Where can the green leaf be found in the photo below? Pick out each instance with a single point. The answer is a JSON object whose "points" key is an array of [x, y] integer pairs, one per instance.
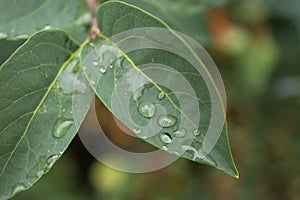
{"points": [[37, 96], [133, 90], [187, 16], [19, 19]]}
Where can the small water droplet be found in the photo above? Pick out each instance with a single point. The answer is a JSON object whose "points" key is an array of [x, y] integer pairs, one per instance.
{"points": [[3, 35], [47, 27], [95, 63], [180, 133], [164, 148], [147, 109], [175, 153], [136, 131], [51, 160], [63, 110], [111, 66], [137, 94], [62, 125], [196, 132], [102, 69], [18, 187], [161, 96], [166, 121], [12, 30], [165, 138]]}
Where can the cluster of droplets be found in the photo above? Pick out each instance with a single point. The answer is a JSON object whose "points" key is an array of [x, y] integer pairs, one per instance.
{"points": [[147, 110]]}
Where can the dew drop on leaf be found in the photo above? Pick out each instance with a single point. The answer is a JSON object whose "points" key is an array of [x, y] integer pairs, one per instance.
{"points": [[166, 121], [95, 63], [161, 96], [147, 109], [180, 133], [196, 132], [164, 148], [61, 127], [51, 160], [102, 69], [136, 131], [165, 138]]}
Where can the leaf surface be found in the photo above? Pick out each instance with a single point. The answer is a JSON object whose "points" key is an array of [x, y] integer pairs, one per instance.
{"points": [[19, 19], [38, 87], [149, 98]]}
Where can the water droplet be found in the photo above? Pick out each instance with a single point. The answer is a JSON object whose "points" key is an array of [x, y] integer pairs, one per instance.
{"points": [[164, 148], [51, 160], [176, 153], [137, 94], [63, 110], [62, 125], [196, 132], [95, 63], [165, 138], [161, 96], [194, 151], [136, 131], [3, 35], [102, 69], [92, 45], [47, 27], [18, 187], [147, 109], [111, 66], [12, 30], [180, 133], [166, 121]]}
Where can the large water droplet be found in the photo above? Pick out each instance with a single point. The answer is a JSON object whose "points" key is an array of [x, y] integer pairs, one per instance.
{"points": [[62, 125], [180, 133], [166, 121], [161, 96], [18, 187], [147, 109], [165, 138], [196, 132]]}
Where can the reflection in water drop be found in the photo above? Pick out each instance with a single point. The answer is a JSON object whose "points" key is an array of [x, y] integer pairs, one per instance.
{"points": [[164, 148], [166, 121], [147, 109], [61, 127], [165, 138], [180, 133]]}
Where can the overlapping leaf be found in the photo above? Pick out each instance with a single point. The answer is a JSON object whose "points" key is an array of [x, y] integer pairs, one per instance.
{"points": [[19, 19], [36, 108]]}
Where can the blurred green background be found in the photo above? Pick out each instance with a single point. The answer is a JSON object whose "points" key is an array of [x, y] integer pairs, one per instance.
{"points": [[256, 46]]}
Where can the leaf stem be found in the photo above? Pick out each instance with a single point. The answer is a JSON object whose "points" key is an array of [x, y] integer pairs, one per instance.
{"points": [[95, 30]]}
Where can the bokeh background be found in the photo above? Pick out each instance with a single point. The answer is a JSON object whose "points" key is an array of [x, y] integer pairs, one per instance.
{"points": [[256, 46]]}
